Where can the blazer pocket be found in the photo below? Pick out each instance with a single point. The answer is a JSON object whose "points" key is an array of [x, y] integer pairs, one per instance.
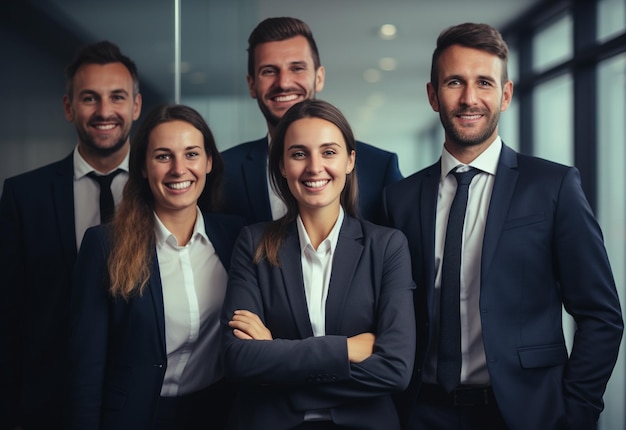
{"points": [[542, 356], [113, 398], [524, 221]]}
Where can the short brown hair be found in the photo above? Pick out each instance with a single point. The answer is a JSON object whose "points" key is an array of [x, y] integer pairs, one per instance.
{"points": [[470, 35]]}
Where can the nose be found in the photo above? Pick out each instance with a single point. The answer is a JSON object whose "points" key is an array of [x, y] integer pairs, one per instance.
{"points": [[468, 97], [315, 164], [177, 167], [284, 79], [105, 108]]}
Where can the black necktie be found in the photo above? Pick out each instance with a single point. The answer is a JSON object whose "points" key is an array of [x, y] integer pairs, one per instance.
{"points": [[107, 206], [449, 354]]}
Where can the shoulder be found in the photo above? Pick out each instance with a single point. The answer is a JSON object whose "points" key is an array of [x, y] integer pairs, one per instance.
{"points": [[365, 149], [415, 179], [64, 166], [244, 148], [375, 234]]}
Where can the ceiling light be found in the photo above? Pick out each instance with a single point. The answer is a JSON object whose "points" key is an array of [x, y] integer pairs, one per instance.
{"points": [[387, 31], [387, 64], [372, 76]]}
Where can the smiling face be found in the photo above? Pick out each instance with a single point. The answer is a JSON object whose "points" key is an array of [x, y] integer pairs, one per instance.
{"points": [[176, 168], [315, 164], [102, 108], [469, 98], [284, 74]]}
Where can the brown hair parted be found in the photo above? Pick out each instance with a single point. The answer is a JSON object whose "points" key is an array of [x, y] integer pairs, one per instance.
{"points": [[277, 29], [312, 108], [103, 52], [133, 237], [470, 35]]}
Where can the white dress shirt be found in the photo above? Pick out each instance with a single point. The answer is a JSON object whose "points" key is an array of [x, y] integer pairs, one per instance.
{"points": [[474, 364], [194, 285], [87, 194], [317, 266]]}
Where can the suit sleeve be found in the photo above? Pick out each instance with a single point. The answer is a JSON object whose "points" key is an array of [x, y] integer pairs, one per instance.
{"points": [[590, 296], [88, 332], [13, 293]]}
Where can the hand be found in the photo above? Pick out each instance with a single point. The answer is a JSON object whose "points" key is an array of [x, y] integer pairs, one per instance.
{"points": [[360, 347], [247, 325]]}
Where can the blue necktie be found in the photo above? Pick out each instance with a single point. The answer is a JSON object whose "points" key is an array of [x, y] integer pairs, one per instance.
{"points": [[107, 206], [449, 354]]}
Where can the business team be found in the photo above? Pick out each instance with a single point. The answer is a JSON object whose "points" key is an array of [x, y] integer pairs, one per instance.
{"points": [[498, 242]]}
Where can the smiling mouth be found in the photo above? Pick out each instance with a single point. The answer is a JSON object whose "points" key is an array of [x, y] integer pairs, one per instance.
{"points": [[285, 98], [316, 184], [179, 185], [104, 127]]}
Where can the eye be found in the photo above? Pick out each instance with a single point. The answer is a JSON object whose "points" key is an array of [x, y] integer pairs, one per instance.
{"points": [[193, 154], [329, 153], [88, 99], [267, 72], [118, 98], [298, 155], [163, 157]]}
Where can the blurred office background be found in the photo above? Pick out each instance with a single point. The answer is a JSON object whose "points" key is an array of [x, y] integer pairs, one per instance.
{"points": [[568, 63]]}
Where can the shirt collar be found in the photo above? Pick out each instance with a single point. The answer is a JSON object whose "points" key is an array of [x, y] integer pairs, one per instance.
{"points": [[485, 162], [82, 168], [331, 239], [163, 235]]}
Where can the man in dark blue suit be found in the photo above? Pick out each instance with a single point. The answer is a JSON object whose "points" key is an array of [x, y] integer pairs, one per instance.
{"points": [[43, 216], [529, 246], [283, 69]]}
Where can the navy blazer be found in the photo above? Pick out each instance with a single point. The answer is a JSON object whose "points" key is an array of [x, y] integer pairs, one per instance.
{"points": [[542, 249], [36, 259], [117, 352], [245, 180], [370, 291]]}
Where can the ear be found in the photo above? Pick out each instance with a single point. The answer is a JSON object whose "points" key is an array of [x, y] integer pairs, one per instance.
{"points": [[251, 88], [209, 164], [507, 95], [67, 108], [351, 161], [137, 107], [432, 96], [320, 76]]}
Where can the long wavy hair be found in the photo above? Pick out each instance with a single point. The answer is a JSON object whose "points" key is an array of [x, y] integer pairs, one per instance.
{"points": [[275, 231], [133, 238]]}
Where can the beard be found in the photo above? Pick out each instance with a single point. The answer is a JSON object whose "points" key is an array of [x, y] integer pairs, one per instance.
{"points": [[90, 142], [467, 137]]}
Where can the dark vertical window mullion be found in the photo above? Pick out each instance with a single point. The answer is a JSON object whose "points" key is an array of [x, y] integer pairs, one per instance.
{"points": [[585, 97]]}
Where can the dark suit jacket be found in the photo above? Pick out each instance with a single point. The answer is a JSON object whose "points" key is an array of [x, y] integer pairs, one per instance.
{"points": [[542, 248], [370, 291], [36, 259], [245, 180], [117, 353]]}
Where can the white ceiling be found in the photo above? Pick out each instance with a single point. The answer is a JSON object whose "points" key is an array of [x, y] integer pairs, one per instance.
{"points": [[214, 40]]}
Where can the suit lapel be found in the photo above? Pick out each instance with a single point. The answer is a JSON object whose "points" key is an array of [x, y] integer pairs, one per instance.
{"points": [[291, 270], [428, 214], [63, 200], [155, 290], [503, 187], [347, 255], [254, 173]]}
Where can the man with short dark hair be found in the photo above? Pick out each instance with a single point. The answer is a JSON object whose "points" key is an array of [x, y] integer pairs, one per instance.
{"points": [[500, 243], [43, 216], [283, 69]]}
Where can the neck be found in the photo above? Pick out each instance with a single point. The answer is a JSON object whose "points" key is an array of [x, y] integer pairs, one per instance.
{"points": [[318, 223], [179, 223]]}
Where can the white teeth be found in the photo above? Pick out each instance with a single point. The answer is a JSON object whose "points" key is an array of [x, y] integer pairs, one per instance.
{"points": [[316, 184], [179, 185], [286, 98], [470, 116], [105, 127]]}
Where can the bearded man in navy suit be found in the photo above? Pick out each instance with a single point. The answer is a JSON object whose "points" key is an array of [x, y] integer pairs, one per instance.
{"points": [[530, 245], [43, 216], [283, 69]]}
